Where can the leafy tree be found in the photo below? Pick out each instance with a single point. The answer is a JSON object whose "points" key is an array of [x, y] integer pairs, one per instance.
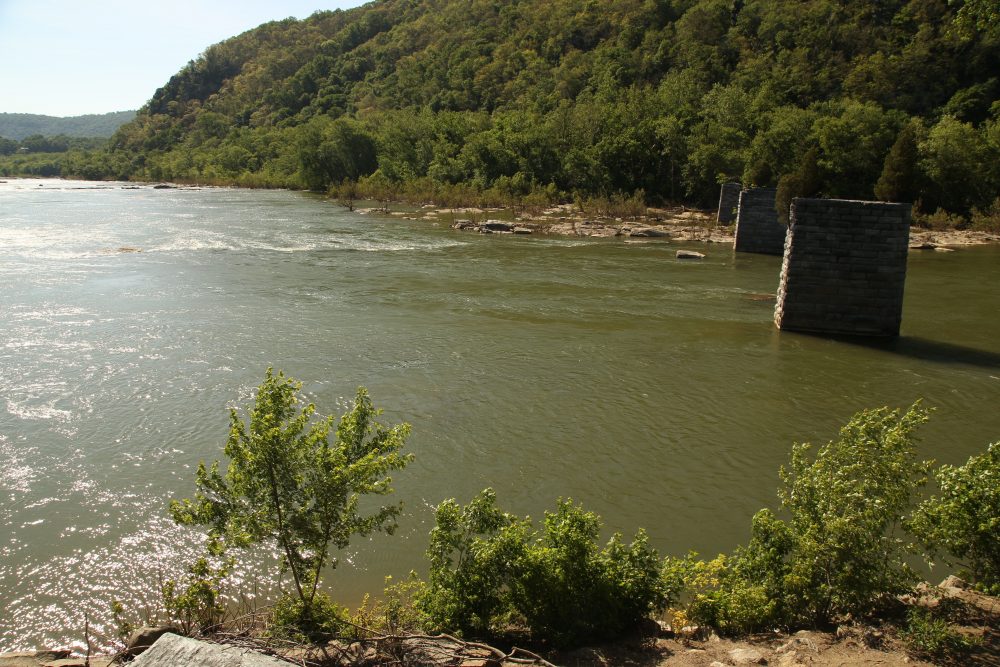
{"points": [[853, 143], [955, 159], [778, 146], [332, 151], [286, 482], [900, 179], [963, 519], [806, 181], [977, 16], [840, 551], [846, 506]]}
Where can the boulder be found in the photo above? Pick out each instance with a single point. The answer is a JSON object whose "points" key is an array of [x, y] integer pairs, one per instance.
{"points": [[747, 656], [144, 637], [497, 226], [523, 230], [647, 232], [690, 254], [31, 658], [172, 650]]}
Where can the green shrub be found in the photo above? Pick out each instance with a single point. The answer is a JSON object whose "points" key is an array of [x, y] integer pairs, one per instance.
{"points": [[569, 590], [846, 506], [491, 571], [987, 220], [744, 592], [195, 603], [963, 520], [397, 613], [929, 635], [838, 553], [940, 220], [314, 620]]}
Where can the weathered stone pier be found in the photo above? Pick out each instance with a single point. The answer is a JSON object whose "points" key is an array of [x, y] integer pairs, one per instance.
{"points": [[844, 267], [757, 226], [729, 201]]}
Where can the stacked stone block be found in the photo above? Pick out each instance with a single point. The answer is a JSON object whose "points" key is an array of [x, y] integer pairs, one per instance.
{"points": [[729, 200], [757, 226], [844, 267]]}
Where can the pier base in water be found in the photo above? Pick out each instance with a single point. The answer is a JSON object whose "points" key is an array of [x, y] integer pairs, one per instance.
{"points": [[844, 267]]}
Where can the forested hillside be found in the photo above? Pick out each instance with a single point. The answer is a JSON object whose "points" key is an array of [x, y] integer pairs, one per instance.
{"points": [[19, 126], [555, 98]]}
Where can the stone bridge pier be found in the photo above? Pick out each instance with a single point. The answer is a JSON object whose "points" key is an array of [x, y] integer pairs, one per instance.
{"points": [[844, 267], [757, 226], [729, 201]]}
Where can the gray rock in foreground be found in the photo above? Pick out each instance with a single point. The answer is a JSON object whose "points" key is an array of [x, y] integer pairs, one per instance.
{"points": [[144, 637], [172, 650]]}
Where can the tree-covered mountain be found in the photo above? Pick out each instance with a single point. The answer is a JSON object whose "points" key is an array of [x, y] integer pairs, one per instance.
{"points": [[564, 97], [17, 126]]}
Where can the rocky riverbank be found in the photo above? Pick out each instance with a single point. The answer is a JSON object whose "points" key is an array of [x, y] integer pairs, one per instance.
{"points": [[971, 614], [659, 224]]}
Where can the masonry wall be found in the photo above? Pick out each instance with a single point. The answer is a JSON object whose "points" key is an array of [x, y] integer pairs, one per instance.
{"points": [[844, 267], [729, 201], [757, 226]]}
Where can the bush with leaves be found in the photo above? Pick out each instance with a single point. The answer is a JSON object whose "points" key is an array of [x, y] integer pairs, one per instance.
{"points": [[839, 553], [963, 519], [491, 571], [396, 613], [286, 482], [196, 602], [846, 507], [928, 634]]}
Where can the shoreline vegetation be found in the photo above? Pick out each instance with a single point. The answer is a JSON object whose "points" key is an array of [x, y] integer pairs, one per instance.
{"points": [[539, 104], [599, 217], [825, 578]]}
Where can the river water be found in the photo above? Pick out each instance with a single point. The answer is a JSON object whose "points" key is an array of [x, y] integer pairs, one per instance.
{"points": [[657, 392]]}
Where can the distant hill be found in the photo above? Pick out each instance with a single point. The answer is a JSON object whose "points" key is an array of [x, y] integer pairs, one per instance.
{"points": [[657, 100], [17, 126]]}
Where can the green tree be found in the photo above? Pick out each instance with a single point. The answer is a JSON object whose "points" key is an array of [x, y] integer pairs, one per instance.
{"points": [[329, 152], [286, 482], [955, 159], [846, 506], [963, 519], [806, 181], [840, 552], [853, 143], [900, 179]]}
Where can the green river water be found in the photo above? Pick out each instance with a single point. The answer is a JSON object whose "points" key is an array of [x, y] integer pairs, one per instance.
{"points": [[657, 392]]}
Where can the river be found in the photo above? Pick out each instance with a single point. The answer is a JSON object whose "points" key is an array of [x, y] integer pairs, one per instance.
{"points": [[655, 391]]}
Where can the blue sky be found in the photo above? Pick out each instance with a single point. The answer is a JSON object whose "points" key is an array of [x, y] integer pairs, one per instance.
{"points": [[71, 57]]}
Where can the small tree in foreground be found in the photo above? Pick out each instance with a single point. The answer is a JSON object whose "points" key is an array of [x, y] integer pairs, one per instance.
{"points": [[286, 482], [963, 520], [847, 506], [840, 551]]}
